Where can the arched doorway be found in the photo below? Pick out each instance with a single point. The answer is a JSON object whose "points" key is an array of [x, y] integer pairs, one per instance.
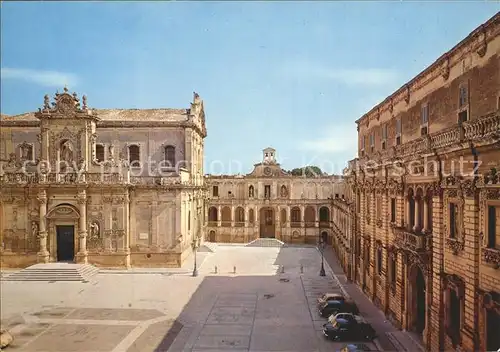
{"points": [[211, 236], [324, 237], [63, 227], [418, 308], [267, 222]]}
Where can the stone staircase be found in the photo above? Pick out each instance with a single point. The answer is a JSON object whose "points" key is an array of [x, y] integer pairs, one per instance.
{"points": [[208, 247], [265, 242], [54, 272]]}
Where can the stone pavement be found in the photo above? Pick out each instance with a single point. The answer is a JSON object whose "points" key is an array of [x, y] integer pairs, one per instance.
{"points": [[389, 337], [258, 308]]}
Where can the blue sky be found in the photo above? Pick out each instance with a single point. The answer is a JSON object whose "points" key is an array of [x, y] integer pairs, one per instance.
{"points": [[291, 75]]}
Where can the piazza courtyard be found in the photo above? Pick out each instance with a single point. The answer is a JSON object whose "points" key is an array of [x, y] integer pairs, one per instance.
{"points": [[260, 299]]}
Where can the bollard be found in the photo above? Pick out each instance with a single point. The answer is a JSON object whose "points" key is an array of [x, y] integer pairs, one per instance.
{"points": [[234, 269], [215, 271], [301, 269], [282, 269]]}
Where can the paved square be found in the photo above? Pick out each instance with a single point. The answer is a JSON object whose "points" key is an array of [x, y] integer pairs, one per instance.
{"points": [[256, 309]]}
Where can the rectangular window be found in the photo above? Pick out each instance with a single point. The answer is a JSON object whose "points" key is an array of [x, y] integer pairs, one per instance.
{"points": [[393, 210], [398, 131], [453, 220], [493, 233], [424, 114], [463, 116], [99, 152], [267, 191], [363, 141], [372, 142], [462, 96], [215, 191], [424, 123], [134, 155]]}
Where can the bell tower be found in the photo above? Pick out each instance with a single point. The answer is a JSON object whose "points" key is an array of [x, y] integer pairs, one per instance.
{"points": [[67, 132], [269, 156]]}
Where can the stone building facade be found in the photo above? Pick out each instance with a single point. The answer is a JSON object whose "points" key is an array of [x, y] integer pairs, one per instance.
{"points": [[271, 203], [426, 199], [114, 188]]}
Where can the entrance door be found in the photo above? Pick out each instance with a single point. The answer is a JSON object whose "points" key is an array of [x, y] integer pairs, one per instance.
{"points": [[65, 243], [267, 223], [212, 236], [420, 302]]}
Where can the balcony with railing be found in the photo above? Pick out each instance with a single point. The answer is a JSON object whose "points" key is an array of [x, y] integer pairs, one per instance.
{"points": [[491, 257], [415, 242]]}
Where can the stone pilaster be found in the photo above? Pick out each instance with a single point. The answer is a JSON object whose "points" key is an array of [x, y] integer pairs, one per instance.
{"points": [[81, 256], [436, 307], [471, 248], [43, 253]]}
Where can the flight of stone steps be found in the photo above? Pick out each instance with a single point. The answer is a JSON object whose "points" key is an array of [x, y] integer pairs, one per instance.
{"points": [[208, 247], [54, 272], [265, 242]]}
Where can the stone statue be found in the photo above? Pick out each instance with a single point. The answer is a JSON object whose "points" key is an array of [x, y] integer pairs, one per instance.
{"points": [[111, 150], [46, 102], [84, 102], [12, 160], [94, 230], [284, 192], [67, 151], [25, 151], [34, 229]]}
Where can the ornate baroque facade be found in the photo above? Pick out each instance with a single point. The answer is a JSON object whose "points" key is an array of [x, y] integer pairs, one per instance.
{"points": [[269, 202], [426, 200], [114, 188]]}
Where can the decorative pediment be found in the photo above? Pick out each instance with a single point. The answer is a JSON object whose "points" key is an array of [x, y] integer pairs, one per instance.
{"points": [[65, 211], [64, 105]]}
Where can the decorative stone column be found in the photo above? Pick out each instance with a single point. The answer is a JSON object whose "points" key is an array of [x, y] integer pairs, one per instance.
{"points": [[407, 212], [416, 217], [43, 254], [82, 205], [426, 214]]}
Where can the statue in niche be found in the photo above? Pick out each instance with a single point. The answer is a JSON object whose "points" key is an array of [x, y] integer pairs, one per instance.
{"points": [[12, 162], [25, 151], [67, 151], [94, 230], [34, 229], [111, 152], [284, 192]]}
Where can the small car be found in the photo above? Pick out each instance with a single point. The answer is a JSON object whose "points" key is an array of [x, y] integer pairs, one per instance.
{"points": [[334, 307], [345, 316], [330, 297], [356, 347], [342, 329]]}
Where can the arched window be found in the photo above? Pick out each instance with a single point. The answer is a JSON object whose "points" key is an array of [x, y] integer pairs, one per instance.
{"points": [[250, 192], [310, 216], [251, 216], [212, 214], [283, 216], [226, 217], [240, 214], [169, 157], [324, 214], [134, 156], [295, 217]]}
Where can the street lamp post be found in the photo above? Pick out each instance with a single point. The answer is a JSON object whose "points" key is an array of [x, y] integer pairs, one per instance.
{"points": [[195, 244], [322, 249]]}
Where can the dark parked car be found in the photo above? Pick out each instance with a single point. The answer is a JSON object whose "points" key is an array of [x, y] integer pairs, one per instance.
{"points": [[356, 347], [351, 330], [333, 307], [330, 297]]}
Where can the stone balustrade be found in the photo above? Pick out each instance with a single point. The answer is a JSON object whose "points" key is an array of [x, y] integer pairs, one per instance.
{"points": [[491, 256], [412, 241]]}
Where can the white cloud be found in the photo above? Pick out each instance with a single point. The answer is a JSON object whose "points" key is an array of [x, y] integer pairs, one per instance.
{"points": [[43, 78], [348, 76], [337, 139]]}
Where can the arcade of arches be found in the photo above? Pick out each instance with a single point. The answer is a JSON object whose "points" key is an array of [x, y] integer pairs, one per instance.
{"points": [[292, 224]]}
